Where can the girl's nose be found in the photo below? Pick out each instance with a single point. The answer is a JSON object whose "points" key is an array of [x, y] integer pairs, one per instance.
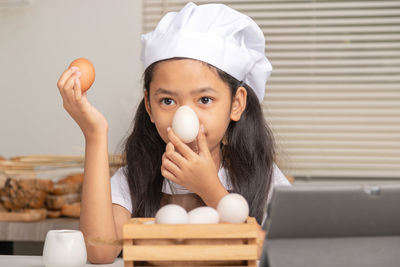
{"points": [[185, 124]]}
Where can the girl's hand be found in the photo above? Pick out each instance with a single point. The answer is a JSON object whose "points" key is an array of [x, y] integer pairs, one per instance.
{"points": [[89, 119], [196, 172]]}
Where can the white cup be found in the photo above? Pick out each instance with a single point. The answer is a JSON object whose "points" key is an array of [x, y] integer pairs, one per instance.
{"points": [[64, 248]]}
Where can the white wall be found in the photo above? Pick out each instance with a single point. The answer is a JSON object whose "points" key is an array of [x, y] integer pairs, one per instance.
{"points": [[38, 42]]}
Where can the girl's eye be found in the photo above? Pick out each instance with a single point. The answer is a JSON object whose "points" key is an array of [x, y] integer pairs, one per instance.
{"points": [[167, 101], [205, 100]]}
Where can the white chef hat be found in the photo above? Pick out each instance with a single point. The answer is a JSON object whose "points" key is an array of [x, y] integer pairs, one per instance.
{"points": [[215, 34]]}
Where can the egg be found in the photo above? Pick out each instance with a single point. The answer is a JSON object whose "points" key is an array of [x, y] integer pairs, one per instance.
{"points": [[233, 208], [203, 215], [185, 124], [171, 214], [87, 70]]}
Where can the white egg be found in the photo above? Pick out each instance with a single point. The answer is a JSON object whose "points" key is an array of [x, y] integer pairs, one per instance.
{"points": [[185, 124], [203, 215], [171, 214], [233, 208]]}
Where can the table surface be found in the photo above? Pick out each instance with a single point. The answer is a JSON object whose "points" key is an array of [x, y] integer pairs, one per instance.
{"points": [[37, 261]]}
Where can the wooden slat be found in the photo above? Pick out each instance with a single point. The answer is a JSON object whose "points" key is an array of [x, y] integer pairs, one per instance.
{"points": [[190, 252], [165, 231]]}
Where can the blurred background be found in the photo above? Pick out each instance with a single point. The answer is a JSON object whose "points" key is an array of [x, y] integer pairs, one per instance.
{"points": [[333, 99], [39, 39]]}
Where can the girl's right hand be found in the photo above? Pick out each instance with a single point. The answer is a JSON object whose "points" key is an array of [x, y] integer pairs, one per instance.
{"points": [[89, 119]]}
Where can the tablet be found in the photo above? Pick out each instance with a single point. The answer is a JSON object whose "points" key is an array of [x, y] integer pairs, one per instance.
{"points": [[334, 210], [333, 225]]}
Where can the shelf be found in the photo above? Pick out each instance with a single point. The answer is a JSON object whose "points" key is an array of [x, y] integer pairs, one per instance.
{"points": [[34, 231]]}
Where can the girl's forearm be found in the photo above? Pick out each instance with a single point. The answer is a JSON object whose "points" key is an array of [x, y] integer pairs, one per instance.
{"points": [[213, 196], [96, 220]]}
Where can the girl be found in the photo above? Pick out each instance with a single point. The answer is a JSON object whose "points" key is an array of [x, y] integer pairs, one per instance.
{"points": [[210, 58]]}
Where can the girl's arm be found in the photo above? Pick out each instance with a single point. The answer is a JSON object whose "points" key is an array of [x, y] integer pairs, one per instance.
{"points": [[97, 219], [100, 223]]}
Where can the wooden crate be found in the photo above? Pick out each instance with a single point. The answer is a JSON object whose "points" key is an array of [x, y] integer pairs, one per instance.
{"points": [[221, 244]]}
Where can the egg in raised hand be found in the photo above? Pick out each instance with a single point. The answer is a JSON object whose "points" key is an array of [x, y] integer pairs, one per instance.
{"points": [[87, 72], [185, 124]]}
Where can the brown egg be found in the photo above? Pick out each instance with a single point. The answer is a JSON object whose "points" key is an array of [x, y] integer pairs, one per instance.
{"points": [[87, 70]]}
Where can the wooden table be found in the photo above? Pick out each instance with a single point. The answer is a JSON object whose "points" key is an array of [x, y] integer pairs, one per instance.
{"points": [[37, 261]]}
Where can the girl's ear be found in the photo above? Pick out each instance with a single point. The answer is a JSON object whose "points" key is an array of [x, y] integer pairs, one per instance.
{"points": [[147, 104], [238, 103]]}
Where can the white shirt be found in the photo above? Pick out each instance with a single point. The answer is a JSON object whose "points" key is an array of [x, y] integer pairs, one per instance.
{"points": [[120, 193]]}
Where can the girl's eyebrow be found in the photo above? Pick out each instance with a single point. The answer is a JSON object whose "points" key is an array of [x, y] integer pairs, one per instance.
{"points": [[203, 90], [161, 91]]}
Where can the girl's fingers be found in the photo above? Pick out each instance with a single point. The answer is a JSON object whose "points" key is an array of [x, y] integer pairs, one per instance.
{"points": [[168, 175], [68, 91], [170, 147], [165, 172], [202, 142], [173, 156], [181, 147], [77, 89], [65, 76], [170, 166]]}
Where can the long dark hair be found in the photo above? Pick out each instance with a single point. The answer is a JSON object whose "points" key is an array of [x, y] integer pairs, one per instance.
{"points": [[248, 154]]}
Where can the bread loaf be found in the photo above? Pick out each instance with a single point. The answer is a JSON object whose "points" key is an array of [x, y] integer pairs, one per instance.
{"points": [[71, 210], [27, 215], [76, 178], [62, 189], [55, 202], [24, 194], [53, 213]]}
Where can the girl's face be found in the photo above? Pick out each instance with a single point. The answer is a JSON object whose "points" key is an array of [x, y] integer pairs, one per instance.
{"points": [[190, 82]]}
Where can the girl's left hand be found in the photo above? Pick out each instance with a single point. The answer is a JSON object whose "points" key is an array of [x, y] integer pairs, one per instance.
{"points": [[194, 171]]}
